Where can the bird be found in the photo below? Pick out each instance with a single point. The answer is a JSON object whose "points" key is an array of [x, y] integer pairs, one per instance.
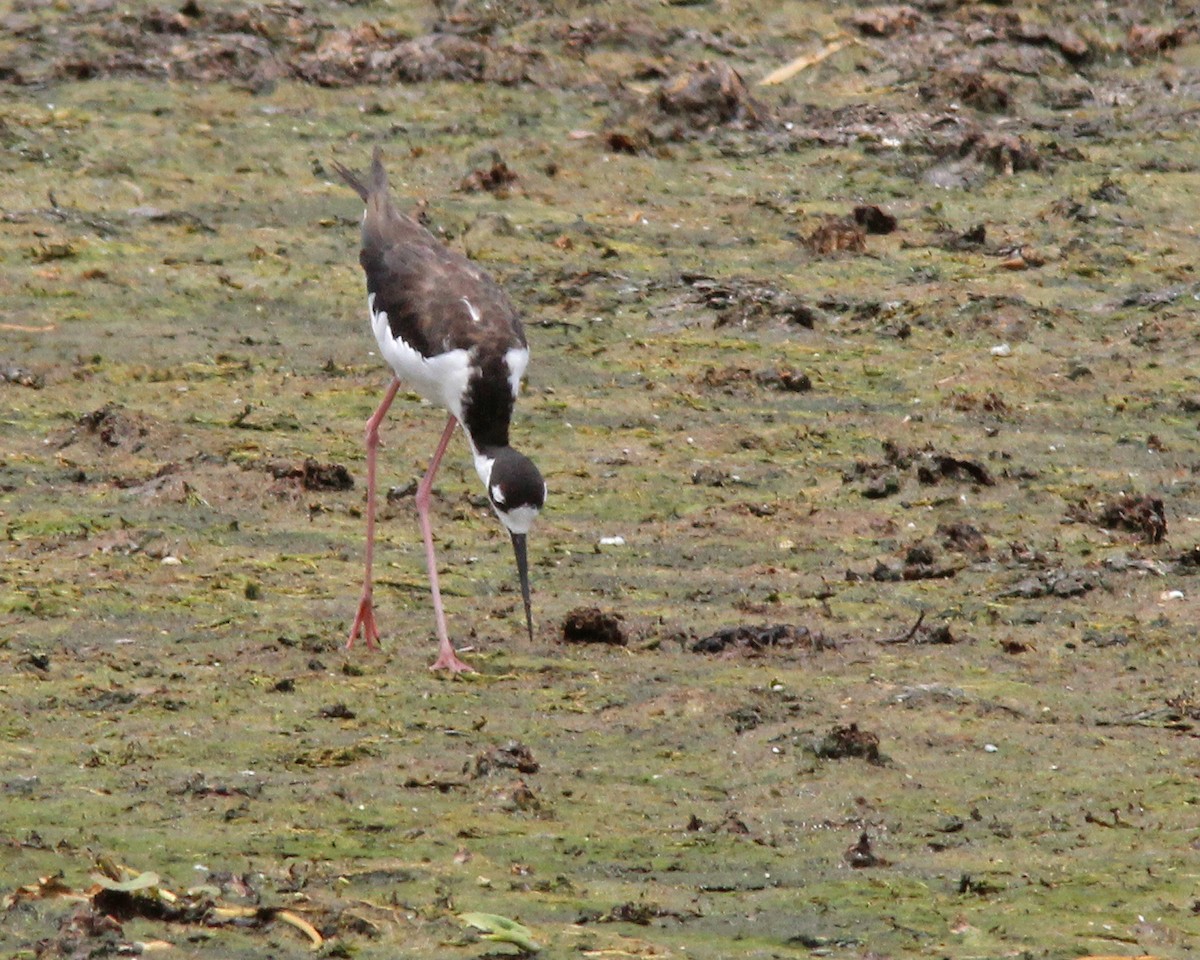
{"points": [[450, 333]]}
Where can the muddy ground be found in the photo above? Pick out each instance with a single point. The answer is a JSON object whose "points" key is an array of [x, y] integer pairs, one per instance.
{"points": [[866, 594]]}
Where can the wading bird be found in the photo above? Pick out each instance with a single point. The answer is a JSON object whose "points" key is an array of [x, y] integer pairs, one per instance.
{"points": [[451, 334]]}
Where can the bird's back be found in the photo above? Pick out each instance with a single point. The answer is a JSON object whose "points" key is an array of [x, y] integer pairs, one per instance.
{"points": [[442, 323], [435, 298]]}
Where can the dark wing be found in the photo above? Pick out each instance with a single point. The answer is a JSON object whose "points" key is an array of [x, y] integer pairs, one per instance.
{"points": [[437, 300]]}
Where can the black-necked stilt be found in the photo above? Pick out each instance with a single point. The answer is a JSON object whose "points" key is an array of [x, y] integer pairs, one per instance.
{"points": [[450, 333]]}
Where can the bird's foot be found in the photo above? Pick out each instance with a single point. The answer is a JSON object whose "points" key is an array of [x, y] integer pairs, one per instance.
{"points": [[448, 660], [364, 625]]}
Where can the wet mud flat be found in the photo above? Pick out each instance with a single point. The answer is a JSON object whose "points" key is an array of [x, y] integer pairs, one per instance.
{"points": [[867, 397]]}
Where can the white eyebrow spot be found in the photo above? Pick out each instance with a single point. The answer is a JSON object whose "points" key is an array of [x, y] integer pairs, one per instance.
{"points": [[475, 314]]}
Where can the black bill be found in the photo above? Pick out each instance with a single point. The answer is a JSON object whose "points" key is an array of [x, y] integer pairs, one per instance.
{"points": [[518, 542]]}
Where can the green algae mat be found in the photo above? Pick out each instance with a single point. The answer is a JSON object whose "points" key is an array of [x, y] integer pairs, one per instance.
{"points": [[866, 382]]}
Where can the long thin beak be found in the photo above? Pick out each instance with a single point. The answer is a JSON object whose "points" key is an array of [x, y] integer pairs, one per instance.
{"points": [[518, 541]]}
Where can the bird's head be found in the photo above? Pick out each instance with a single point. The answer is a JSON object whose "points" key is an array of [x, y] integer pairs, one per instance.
{"points": [[516, 491]]}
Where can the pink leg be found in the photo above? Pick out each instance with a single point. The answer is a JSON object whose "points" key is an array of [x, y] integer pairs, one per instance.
{"points": [[447, 659], [364, 620]]}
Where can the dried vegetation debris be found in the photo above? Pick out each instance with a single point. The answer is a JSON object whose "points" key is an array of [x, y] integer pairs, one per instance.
{"points": [[735, 377], [1144, 41], [12, 372], [848, 740], [1142, 514], [848, 234], [1059, 582], [985, 91], [593, 625], [922, 633], [512, 755], [254, 45], [919, 563], [748, 302], [639, 912], [886, 21], [710, 94], [951, 57], [874, 219], [257, 44], [837, 235], [771, 704], [963, 537], [1177, 712], [310, 474], [1189, 560], [862, 855], [120, 895], [756, 639], [112, 427], [882, 478], [963, 71], [488, 172], [346, 59], [706, 97]]}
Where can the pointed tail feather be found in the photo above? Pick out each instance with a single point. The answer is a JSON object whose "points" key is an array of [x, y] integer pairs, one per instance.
{"points": [[352, 179], [379, 181]]}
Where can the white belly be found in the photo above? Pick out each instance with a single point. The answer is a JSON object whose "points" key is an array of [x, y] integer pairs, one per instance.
{"points": [[441, 379]]}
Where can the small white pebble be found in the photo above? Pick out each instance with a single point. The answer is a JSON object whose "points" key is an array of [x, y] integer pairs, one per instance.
{"points": [[1002, 350], [612, 541], [1171, 595], [171, 561], [991, 748]]}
